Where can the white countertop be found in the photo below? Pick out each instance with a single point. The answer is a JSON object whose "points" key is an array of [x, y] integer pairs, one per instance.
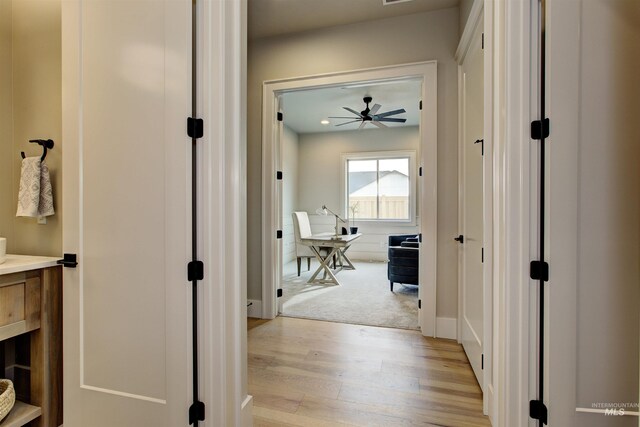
{"points": [[18, 263]]}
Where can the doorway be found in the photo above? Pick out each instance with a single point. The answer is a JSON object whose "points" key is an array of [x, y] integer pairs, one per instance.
{"points": [[353, 149], [272, 217]]}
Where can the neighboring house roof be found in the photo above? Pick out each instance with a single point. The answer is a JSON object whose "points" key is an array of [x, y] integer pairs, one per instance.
{"points": [[392, 183], [357, 180]]}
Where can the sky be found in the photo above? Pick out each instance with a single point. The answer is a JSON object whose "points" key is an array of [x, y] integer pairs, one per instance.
{"points": [[400, 165]]}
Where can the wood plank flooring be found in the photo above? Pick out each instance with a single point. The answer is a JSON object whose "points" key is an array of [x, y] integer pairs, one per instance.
{"points": [[312, 373]]}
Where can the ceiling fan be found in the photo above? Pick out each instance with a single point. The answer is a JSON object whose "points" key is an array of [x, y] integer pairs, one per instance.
{"points": [[368, 115]]}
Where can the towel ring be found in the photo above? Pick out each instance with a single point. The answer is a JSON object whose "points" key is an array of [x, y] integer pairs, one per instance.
{"points": [[45, 143]]}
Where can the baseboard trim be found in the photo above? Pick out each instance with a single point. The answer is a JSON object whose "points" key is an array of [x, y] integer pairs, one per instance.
{"points": [[246, 412], [255, 309], [447, 327]]}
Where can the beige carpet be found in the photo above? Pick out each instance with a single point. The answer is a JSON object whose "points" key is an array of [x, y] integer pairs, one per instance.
{"points": [[363, 297]]}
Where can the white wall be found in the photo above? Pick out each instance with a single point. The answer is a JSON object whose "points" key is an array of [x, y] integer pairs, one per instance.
{"points": [[289, 191], [406, 39], [320, 164]]}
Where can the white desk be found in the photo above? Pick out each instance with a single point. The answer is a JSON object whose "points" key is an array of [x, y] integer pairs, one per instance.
{"points": [[338, 247]]}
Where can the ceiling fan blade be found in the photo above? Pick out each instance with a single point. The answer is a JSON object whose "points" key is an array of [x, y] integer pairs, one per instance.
{"points": [[362, 124], [346, 123], [380, 125], [335, 117], [389, 119], [391, 113], [374, 109], [351, 110]]}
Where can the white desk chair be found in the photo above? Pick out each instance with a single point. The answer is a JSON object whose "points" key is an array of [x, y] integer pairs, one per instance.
{"points": [[302, 229]]}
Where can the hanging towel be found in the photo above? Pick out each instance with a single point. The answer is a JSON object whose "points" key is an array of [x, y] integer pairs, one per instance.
{"points": [[45, 207], [35, 197]]}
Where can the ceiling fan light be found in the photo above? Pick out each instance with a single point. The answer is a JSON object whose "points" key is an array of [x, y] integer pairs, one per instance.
{"points": [[324, 122]]}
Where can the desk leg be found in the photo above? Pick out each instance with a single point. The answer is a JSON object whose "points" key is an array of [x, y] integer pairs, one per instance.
{"points": [[344, 256], [324, 267]]}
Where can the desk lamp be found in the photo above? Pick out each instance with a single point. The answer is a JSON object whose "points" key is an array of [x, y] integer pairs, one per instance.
{"points": [[324, 211]]}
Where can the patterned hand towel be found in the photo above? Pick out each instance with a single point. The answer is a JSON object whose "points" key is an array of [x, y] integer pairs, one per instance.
{"points": [[45, 206], [35, 197]]}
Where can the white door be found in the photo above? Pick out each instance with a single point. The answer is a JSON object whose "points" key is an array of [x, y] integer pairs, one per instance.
{"points": [[471, 209], [127, 312]]}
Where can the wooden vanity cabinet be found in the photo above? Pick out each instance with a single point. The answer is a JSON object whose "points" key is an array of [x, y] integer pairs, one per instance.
{"points": [[31, 345]]}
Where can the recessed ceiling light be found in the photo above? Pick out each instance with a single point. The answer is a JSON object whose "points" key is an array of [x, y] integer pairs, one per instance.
{"points": [[324, 122]]}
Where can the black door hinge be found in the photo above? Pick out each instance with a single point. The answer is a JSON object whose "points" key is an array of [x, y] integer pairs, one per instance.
{"points": [[279, 293], [280, 116], [195, 271], [480, 141], [279, 175], [419, 303], [195, 128], [421, 104], [482, 256], [420, 237], [539, 270], [68, 260], [482, 361], [483, 41], [538, 410], [196, 412], [279, 234], [540, 129], [420, 171]]}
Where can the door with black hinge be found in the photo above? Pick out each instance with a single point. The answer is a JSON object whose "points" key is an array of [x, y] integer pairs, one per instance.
{"points": [[126, 157]]}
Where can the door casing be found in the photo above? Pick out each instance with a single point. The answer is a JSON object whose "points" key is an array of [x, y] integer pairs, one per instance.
{"points": [[271, 218]]}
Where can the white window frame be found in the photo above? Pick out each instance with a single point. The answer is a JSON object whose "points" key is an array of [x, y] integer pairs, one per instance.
{"points": [[381, 155]]}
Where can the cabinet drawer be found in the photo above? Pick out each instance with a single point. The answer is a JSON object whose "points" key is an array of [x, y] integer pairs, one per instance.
{"points": [[19, 303]]}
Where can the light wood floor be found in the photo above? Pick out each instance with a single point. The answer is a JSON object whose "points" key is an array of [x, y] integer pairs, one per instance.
{"points": [[312, 373]]}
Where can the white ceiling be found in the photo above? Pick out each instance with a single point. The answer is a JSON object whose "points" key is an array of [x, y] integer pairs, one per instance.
{"points": [[303, 110], [277, 17]]}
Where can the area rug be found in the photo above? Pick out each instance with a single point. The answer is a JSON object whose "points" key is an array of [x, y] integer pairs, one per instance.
{"points": [[363, 297]]}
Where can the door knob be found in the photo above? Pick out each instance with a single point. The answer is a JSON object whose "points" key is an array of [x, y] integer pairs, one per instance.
{"points": [[460, 238]]}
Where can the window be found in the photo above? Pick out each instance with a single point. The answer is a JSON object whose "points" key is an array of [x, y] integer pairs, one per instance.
{"points": [[379, 186]]}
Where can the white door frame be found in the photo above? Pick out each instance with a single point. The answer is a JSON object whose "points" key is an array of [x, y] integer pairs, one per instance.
{"points": [[476, 18], [509, 31], [427, 71], [509, 85], [222, 212], [222, 193]]}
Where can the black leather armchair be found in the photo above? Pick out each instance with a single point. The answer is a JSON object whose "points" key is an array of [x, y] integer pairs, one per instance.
{"points": [[403, 264]]}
